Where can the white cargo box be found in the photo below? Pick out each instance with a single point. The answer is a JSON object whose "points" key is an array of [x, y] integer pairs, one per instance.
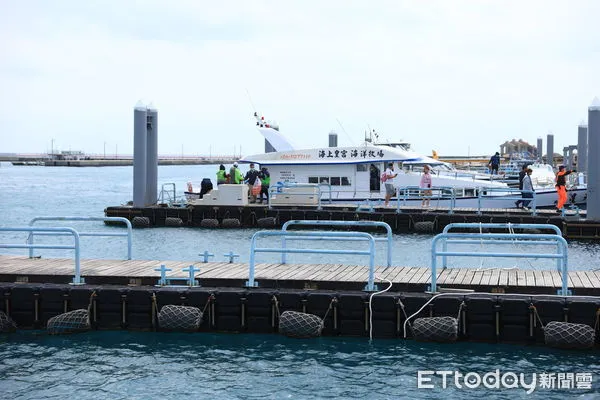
{"points": [[225, 195], [296, 196]]}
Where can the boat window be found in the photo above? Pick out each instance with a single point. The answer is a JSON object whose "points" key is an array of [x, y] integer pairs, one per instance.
{"points": [[324, 179], [361, 167], [335, 181], [345, 181], [313, 179]]}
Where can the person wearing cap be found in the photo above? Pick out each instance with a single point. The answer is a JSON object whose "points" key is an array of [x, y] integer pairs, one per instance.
{"points": [[561, 187], [390, 190], [494, 163], [250, 178], [235, 175]]}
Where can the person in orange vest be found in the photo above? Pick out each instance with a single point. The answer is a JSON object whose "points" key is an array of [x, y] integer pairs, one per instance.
{"points": [[561, 187]]}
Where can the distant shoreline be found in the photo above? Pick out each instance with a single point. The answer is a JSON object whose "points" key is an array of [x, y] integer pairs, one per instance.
{"points": [[118, 162]]}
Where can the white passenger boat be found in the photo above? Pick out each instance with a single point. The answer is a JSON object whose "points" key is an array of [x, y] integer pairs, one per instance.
{"points": [[352, 174]]}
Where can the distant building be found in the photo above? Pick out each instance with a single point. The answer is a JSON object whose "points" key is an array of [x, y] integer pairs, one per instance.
{"points": [[518, 149]]}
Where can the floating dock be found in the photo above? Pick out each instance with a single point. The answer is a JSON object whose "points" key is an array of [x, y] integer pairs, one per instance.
{"points": [[36, 290], [573, 224]]}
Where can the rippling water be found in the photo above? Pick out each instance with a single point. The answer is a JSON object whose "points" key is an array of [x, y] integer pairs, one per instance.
{"points": [[28, 192], [123, 365]]}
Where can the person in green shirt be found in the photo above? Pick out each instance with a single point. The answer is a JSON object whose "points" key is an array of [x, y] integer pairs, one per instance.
{"points": [[235, 174], [265, 180], [221, 175]]}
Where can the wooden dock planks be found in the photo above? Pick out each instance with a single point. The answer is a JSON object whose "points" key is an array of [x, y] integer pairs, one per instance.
{"points": [[330, 273]]}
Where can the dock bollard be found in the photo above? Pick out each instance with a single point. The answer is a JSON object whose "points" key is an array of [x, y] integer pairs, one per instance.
{"points": [[205, 256], [231, 255]]}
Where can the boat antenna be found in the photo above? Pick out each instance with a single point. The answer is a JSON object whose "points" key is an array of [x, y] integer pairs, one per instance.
{"points": [[342, 126], [250, 99]]}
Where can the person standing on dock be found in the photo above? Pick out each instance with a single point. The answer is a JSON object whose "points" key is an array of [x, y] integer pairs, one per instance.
{"points": [[561, 187], [425, 186], [265, 180], [522, 174], [390, 190], [494, 163], [221, 175], [250, 178], [527, 187], [235, 175]]}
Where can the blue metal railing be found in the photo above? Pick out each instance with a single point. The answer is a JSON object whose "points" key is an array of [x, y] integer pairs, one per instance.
{"points": [[388, 229], [109, 219], [509, 226], [562, 255], [438, 193], [486, 194], [316, 234], [50, 231], [279, 189]]}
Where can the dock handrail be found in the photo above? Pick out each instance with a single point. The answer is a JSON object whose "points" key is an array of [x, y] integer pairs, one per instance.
{"points": [[509, 226], [441, 190], [105, 219], [316, 234], [164, 191], [50, 231], [530, 239], [519, 197], [387, 227]]}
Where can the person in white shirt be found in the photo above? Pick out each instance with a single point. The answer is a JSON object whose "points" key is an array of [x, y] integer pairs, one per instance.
{"points": [[389, 183]]}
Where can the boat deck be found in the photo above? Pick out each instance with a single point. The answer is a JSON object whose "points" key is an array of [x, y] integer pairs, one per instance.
{"points": [[295, 276]]}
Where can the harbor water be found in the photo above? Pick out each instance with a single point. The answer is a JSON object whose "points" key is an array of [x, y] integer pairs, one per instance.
{"points": [[136, 365], [32, 191]]}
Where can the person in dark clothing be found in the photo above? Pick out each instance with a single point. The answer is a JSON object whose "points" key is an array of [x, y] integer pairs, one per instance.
{"points": [[522, 174], [250, 178], [494, 163]]}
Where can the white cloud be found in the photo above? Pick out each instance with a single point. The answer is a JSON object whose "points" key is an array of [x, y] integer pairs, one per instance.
{"points": [[449, 76]]}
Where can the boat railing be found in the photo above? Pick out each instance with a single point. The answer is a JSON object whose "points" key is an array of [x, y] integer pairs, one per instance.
{"points": [[315, 235], [125, 221], [438, 193], [279, 189], [387, 227], [77, 280], [506, 239], [505, 193]]}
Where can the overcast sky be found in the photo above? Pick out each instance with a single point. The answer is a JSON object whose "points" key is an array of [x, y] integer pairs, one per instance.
{"points": [[454, 76]]}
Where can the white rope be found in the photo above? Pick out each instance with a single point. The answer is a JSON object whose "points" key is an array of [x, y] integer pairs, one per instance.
{"points": [[371, 308], [511, 230]]}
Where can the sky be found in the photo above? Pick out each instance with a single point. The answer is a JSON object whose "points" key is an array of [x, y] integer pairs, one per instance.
{"points": [[459, 77]]}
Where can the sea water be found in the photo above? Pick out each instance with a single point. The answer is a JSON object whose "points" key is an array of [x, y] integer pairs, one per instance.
{"points": [[27, 192], [126, 365]]}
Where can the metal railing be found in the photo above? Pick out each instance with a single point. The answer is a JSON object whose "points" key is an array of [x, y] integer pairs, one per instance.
{"points": [[501, 238], [105, 219], [388, 229], [510, 227], [165, 193], [316, 235], [49, 231], [486, 194], [438, 193]]}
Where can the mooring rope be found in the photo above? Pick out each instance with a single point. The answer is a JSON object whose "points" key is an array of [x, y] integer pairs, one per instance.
{"points": [[371, 303], [536, 315]]}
